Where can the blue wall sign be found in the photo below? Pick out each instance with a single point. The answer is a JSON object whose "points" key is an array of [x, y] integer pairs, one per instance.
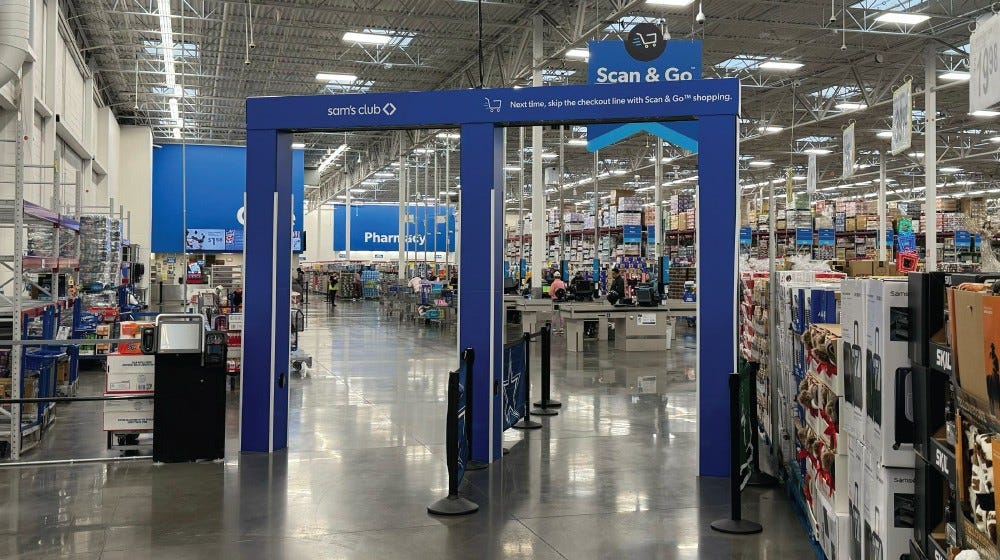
{"points": [[216, 182], [963, 239], [826, 237], [632, 234], [803, 236], [746, 236], [610, 63], [375, 227]]}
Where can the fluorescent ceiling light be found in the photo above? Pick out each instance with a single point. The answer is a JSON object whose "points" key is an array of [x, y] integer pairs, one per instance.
{"points": [[618, 171], [576, 142], [578, 53], [818, 151], [916, 154], [511, 168], [367, 38], [332, 157], [770, 129], [761, 163], [449, 135], [652, 159], [780, 65], [950, 169], [985, 113], [385, 175], [966, 182], [851, 106], [884, 134], [902, 18], [956, 76], [449, 193], [995, 139], [336, 78], [423, 151], [359, 191], [550, 155], [298, 146], [674, 3], [177, 133]]}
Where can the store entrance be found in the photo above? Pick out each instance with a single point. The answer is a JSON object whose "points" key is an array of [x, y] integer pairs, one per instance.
{"points": [[480, 116]]}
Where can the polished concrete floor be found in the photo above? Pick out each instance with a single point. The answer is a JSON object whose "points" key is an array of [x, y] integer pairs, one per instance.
{"points": [[613, 476]]}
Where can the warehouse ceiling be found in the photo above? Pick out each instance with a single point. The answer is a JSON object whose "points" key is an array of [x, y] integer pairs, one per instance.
{"points": [[851, 60]]}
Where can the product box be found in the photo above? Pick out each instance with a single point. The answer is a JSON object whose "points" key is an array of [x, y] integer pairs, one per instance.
{"points": [[853, 325], [130, 329], [860, 267], [856, 499], [991, 352], [834, 530], [889, 420], [965, 308], [850, 224], [128, 415], [127, 373], [890, 511]]}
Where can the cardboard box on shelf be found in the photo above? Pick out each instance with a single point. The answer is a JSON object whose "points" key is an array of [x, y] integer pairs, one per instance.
{"points": [[130, 329], [853, 325], [855, 498], [128, 415], [965, 308], [890, 508], [860, 267], [991, 353], [889, 412]]}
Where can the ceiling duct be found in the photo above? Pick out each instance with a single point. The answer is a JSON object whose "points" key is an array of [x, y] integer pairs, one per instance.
{"points": [[15, 23]]}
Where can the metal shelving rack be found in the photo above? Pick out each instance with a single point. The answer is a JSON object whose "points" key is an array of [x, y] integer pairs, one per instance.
{"points": [[19, 214]]}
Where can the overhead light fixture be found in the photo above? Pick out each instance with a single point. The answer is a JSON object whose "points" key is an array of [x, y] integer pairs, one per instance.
{"points": [[965, 182], [298, 146], [985, 113], [916, 154], [851, 106], [950, 169], [761, 163], [336, 78], [780, 65], [550, 155], [576, 142], [367, 38], [618, 171], [512, 168], [449, 135], [448, 193], [902, 18], [177, 133], [385, 175], [818, 151], [578, 53], [770, 129], [884, 134], [995, 139], [674, 3], [359, 191], [333, 157], [956, 76]]}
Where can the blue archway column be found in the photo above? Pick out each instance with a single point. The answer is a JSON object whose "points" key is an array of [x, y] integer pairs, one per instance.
{"points": [[480, 302], [717, 238], [267, 282]]}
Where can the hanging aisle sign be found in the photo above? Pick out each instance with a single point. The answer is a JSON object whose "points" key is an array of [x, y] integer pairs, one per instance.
{"points": [[644, 57], [849, 151], [746, 236], [902, 118], [826, 237], [963, 239], [984, 64], [811, 175], [803, 236]]}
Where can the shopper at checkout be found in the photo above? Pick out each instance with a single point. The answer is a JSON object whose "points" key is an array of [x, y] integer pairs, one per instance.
{"points": [[557, 289], [617, 291]]}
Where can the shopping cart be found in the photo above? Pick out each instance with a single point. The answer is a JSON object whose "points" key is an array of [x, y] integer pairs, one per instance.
{"points": [[297, 355]]}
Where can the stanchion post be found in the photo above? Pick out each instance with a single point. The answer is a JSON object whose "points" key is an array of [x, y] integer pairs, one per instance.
{"points": [[526, 422], [735, 525], [469, 357], [546, 404], [453, 504]]}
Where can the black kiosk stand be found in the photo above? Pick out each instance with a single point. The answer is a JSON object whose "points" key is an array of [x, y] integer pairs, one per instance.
{"points": [[189, 406]]}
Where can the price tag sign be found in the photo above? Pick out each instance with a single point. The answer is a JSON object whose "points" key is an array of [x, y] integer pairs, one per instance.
{"points": [[984, 44]]}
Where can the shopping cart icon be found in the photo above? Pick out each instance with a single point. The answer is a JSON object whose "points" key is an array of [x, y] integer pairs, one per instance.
{"points": [[494, 105], [646, 41]]}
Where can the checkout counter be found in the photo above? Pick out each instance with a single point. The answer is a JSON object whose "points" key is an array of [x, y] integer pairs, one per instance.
{"points": [[637, 328]]}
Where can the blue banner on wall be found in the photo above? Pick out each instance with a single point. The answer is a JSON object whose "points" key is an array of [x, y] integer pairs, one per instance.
{"points": [[610, 63], [514, 369], [375, 227], [216, 183]]}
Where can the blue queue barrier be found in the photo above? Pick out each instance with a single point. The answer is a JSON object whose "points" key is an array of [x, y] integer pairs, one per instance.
{"points": [[458, 440]]}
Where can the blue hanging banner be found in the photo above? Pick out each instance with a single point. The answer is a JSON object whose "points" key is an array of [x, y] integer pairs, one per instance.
{"points": [[963, 239], [746, 236], [827, 237], [611, 63], [513, 380], [803, 236]]}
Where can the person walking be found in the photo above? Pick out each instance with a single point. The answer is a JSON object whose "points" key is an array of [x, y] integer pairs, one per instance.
{"points": [[331, 290]]}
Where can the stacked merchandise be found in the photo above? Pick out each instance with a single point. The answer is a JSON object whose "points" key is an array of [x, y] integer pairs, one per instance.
{"points": [[679, 276], [129, 372], [630, 218], [755, 344], [234, 343], [95, 252], [682, 212], [575, 221], [879, 421], [369, 283], [609, 217]]}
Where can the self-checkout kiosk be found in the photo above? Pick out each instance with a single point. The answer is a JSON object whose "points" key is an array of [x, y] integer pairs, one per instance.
{"points": [[189, 406]]}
